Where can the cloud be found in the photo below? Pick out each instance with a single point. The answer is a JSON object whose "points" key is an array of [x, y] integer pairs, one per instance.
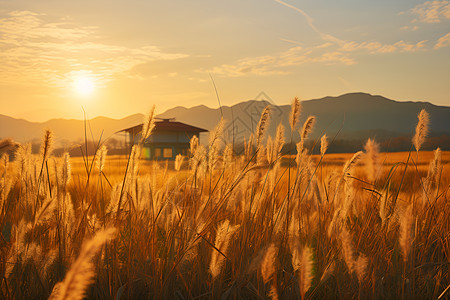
{"points": [[443, 41], [376, 47], [413, 28], [279, 63], [309, 20], [326, 53], [36, 51], [432, 11]]}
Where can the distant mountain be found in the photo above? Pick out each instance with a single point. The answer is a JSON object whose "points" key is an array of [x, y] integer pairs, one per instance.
{"points": [[65, 131], [354, 116]]}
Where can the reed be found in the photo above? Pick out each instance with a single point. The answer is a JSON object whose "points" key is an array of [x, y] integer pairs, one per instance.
{"points": [[222, 226]]}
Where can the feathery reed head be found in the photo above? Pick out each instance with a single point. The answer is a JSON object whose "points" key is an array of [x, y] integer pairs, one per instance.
{"points": [[361, 267], [66, 170], [268, 263], [47, 144], [347, 249], [7, 143], [307, 127], [279, 140], [149, 124], [223, 237], [80, 274], [295, 113], [406, 231], [193, 143], [262, 124], [215, 134], [101, 157], [323, 145], [421, 129], [228, 154], [4, 161], [351, 163], [372, 159], [306, 273]]}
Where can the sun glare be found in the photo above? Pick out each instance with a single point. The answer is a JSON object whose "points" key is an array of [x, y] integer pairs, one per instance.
{"points": [[84, 85]]}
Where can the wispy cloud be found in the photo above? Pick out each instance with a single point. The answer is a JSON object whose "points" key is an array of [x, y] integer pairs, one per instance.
{"points": [[36, 51], [326, 53], [279, 63], [376, 47], [432, 11], [309, 20], [443, 41]]}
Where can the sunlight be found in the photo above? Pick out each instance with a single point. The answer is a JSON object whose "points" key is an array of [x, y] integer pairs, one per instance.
{"points": [[84, 85]]}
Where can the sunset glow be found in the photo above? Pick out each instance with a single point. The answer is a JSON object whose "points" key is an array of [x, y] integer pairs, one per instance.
{"points": [[84, 86], [141, 50]]}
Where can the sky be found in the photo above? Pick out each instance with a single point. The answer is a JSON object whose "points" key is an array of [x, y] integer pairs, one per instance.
{"points": [[59, 59]]}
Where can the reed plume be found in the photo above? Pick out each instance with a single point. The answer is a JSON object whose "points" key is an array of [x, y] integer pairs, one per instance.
{"points": [[268, 263], [46, 211], [101, 157], [228, 155], [434, 171], [214, 144], [279, 140], [307, 127], [372, 159], [6, 144], [47, 144], [351, 163], [223, 237], [23, 161], [323, 145], [361, 267], [296, 109], [262, 125], [268, 269], [66, 170], [148, 125], [4, 162], [193, 144], [82, 271], [302, 261], [306, 130], [406, 231], [347, 248], [421, 129]]}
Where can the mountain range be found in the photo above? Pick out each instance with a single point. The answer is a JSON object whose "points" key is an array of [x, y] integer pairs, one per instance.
{"points": [[351, 116]]}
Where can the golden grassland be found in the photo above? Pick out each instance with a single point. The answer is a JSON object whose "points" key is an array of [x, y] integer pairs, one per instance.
{"points": [[220, 225]]}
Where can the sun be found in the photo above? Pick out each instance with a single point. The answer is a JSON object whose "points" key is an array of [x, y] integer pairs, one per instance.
{"points": [[84, 85]]}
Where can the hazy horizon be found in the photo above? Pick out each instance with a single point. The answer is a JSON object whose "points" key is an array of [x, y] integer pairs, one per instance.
{"points": [[115, 59], [158, 112]]}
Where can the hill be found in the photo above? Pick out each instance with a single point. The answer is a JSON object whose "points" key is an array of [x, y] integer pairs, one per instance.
{"points": [[354, 116], [351, 117]]}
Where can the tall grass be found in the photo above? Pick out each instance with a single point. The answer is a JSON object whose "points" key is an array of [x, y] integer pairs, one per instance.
{"points": [[228, 226]]}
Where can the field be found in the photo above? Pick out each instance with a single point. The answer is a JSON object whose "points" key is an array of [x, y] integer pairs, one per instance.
{"points": [[220, 225]]}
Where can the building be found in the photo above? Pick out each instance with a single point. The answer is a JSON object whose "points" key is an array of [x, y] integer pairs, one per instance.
{"points": [[168, 139]]}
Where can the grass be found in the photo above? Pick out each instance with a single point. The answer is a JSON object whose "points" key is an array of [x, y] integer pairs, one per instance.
{"points": [[231, 227]]}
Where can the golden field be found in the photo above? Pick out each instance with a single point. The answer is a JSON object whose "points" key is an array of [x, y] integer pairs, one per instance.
{"points": [[225, 226]]}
